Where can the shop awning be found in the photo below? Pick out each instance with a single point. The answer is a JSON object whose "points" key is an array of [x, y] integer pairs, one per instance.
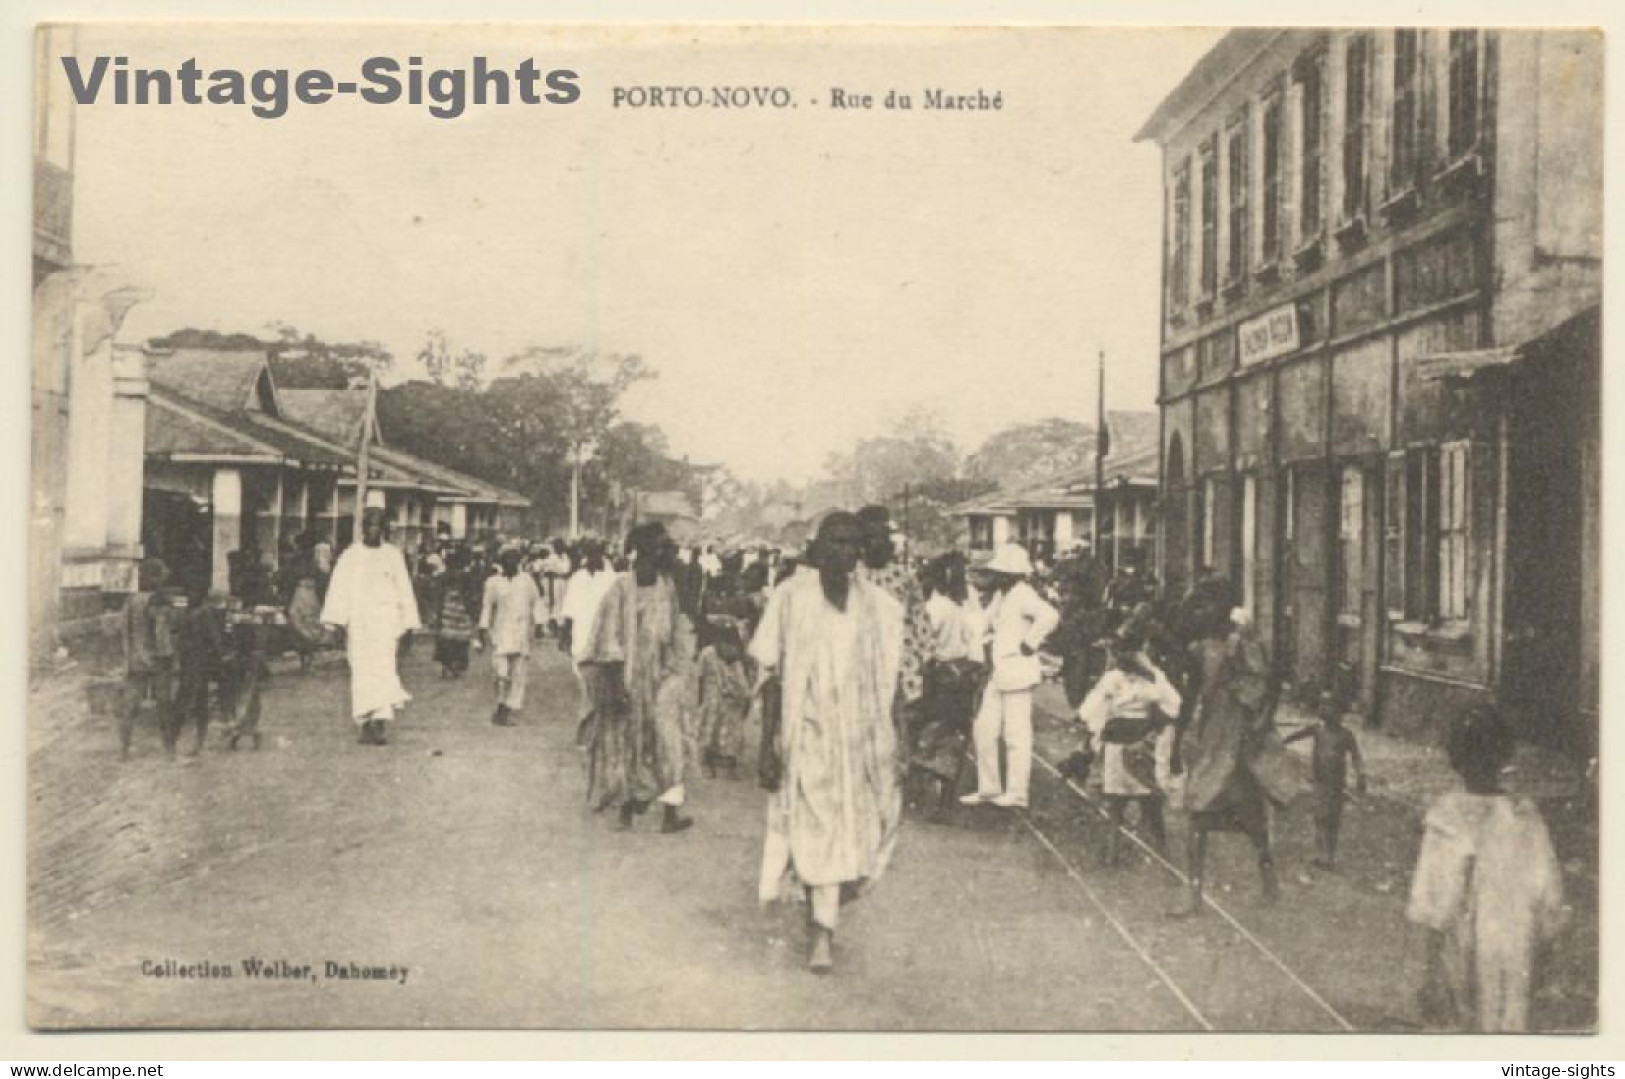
{"points": [[1468, 364]]}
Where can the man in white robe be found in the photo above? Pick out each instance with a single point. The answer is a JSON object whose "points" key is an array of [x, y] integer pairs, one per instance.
{"points": [[371, 597], [507, 622], [835, 640]]}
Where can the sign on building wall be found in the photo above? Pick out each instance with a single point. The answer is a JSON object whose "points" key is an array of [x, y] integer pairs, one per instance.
{"points": [[1274, 333]]}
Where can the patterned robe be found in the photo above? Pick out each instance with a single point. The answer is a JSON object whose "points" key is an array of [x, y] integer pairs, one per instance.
{"points": [[637, 749], [835, 816], [899, 583], [724, 700]]}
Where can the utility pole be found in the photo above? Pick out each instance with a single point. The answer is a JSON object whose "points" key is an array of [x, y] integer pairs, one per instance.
{"points": [[905, 523], [575, 491], [1100, 454], [369, 417]]}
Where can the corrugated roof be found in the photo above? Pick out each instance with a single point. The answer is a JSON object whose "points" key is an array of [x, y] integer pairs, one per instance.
{"points": [[207, 402], [465, 485], [1131, 432], [196, 427], [335, 414], [172, 432], [1133, 459], [225, 379]]}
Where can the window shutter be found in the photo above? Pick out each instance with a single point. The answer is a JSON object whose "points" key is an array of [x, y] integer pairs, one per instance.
{"points": [[1432, 517], [1393, 537], [1427, 104], [1417, 535], [1286, 167]]}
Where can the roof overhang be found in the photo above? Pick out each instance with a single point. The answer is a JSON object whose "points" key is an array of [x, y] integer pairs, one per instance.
{"points": [[1576, 330], [219, 458], [1469, 364]]}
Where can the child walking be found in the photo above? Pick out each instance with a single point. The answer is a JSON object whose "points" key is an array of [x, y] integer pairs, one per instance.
{"points": [[1129, 714], [1488, 889], [1333, 749]]}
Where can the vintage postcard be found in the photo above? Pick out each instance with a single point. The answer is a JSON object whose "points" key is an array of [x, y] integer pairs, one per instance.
{"points": [[815, 528]]}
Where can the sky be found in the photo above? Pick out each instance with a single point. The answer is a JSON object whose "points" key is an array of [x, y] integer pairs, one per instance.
{"points": [[798, 278]]}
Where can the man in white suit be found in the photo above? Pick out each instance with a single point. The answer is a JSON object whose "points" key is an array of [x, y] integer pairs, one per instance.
{"points": [[1018, 620]]}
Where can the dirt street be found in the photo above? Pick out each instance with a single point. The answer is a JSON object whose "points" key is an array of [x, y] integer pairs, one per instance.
{"points": [[455, 879]]}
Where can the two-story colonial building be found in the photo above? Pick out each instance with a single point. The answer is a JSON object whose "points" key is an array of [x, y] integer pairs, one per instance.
{"points": [[1380, 360]]}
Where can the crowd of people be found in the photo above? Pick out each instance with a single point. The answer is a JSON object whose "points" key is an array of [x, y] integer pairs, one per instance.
{"points": [[868, 675]]}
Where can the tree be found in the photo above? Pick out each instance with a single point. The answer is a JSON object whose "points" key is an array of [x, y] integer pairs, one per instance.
{"points": [[462, 368], [925, 514], [522, 429], [298, 361], [305, 361], [879, 467], [584, 387], [1027, 453]]}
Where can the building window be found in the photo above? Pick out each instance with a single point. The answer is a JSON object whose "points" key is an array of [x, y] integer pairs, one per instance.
{"points": [[1356, 125], [1311, 150], [1452, 601], [1210, 220], [1235, 266], [1271, 209], [1436, 534], [1179, 290], [1463, 119], [1402, 158]]}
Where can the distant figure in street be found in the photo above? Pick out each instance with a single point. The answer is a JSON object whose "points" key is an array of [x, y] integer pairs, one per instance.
{"points": [[1084, 624], [1487, 888], [507, 623], [635, 664], [1018, 621], [556, 570], [1333, 748], [724, 701], [370, 597], [207, 658], [954, 675], [454, 625], [149, 656], [305, 604], [834, 640], [321, 555], [583, 596]]}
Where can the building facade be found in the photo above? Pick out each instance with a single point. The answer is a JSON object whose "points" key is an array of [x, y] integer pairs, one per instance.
{"points": [[87, 405], [1058, 515], [236, 466], [1380, 361]]}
